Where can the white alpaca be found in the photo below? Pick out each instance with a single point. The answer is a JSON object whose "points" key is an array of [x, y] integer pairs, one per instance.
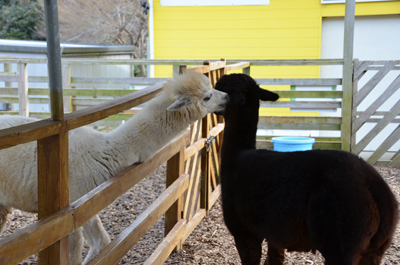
{"points": [[94, 157]]}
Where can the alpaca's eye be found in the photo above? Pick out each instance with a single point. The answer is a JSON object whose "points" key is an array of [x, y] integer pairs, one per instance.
{"points": [[207, 98]]}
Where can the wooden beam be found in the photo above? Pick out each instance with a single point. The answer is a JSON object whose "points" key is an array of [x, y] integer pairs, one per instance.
{"points": [[237, 66], [131, 235], [174, 237], [23, 90], [53, 190], [360, 120], [348, 73], [367, 88], [301, 82], [175, 168]]}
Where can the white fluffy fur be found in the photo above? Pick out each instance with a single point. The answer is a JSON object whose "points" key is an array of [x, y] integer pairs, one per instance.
{"points": [[94, 157]]}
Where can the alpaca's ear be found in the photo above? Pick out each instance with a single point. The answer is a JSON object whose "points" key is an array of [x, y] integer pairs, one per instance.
{"points": [[266, 95], [179, 103]]}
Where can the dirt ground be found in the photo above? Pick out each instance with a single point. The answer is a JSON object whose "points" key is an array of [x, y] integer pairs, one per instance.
{"points": [[210, 243]]}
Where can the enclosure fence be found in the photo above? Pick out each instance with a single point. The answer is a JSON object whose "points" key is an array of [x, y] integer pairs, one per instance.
{"points": [[192, 158]]}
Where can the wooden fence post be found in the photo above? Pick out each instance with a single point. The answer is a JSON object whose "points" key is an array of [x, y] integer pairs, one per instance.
{"points": [[23, 89], [8, 68], [246, 71], [205, 168], [53, 190], [354, 108], [66, 83], [175, 168], [347, 81]]}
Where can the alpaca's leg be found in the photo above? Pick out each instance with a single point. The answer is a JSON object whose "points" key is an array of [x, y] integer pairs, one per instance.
{"points": [[249, 248], [276, 256], [4, 211], [96, 237], [374, 255], [75, 247]]}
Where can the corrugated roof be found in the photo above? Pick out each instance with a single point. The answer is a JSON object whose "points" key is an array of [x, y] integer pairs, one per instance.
{"points": [[27, 46]]}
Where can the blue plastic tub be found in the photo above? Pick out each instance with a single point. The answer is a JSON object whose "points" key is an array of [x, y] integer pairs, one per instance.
{"points": [[291, 144]]}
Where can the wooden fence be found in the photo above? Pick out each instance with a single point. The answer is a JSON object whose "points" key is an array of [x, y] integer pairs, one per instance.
{"points": [[380, 119], [185, 202], [192, 158]]}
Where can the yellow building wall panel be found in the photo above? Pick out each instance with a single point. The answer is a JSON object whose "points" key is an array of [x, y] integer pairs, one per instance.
{"points": [[285, 29], [363, 9]]}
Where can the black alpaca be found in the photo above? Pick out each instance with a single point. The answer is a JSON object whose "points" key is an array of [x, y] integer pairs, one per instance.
{"points": [[325, 200]]}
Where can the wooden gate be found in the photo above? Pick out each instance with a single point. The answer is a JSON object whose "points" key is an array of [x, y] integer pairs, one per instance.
{"points": [[382, 120]]}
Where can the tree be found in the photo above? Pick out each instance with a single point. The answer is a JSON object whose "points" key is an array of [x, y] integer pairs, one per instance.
{"points": [[128, 27], [20, 19]]}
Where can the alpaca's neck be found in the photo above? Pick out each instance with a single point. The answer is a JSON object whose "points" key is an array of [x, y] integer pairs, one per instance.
{"points": [[148, 131], [239, 133]]}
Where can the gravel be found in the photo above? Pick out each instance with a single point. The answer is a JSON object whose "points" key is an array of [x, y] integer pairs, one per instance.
{"points": [[210, 243]]}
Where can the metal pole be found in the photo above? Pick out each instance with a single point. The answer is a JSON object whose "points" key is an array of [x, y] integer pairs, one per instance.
{"points": [[54, 60]]}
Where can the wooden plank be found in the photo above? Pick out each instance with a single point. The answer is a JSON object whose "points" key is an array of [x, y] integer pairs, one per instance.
{"points": [[160, 255], [204, 69], [302, 104], [299, 126], [215, 195], [88, 115], [131, 235], [360, 70], [395, 160], [194, 222], [395, 110], [103, 195], [66, 83], [309, 94], [214, 65], [317, 138], [195, 190], [371, 84], [216, 130], [53, 190], [31, 239], [189, 193], [175, 168], [88, 61], [175, 70], [327, 145], [300, 119], [194, 148], [23, 90], [71, 92], [347, 73], [5, 73], [384, 147], [237, 66], [392, 88], [115, 80], [205, 167], [246, 71], [301, 82], [41, 129], [354, 110], [29, 132]]}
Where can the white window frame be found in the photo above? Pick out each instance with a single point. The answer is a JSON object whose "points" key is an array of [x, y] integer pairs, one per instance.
{"points": [[343, 1], [213, 2]]}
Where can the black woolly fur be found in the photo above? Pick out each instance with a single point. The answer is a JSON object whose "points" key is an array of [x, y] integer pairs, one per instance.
{"points": [[325, 200]]}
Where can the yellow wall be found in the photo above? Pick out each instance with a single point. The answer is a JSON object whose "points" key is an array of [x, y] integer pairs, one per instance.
{"points": [[285, 29]]}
